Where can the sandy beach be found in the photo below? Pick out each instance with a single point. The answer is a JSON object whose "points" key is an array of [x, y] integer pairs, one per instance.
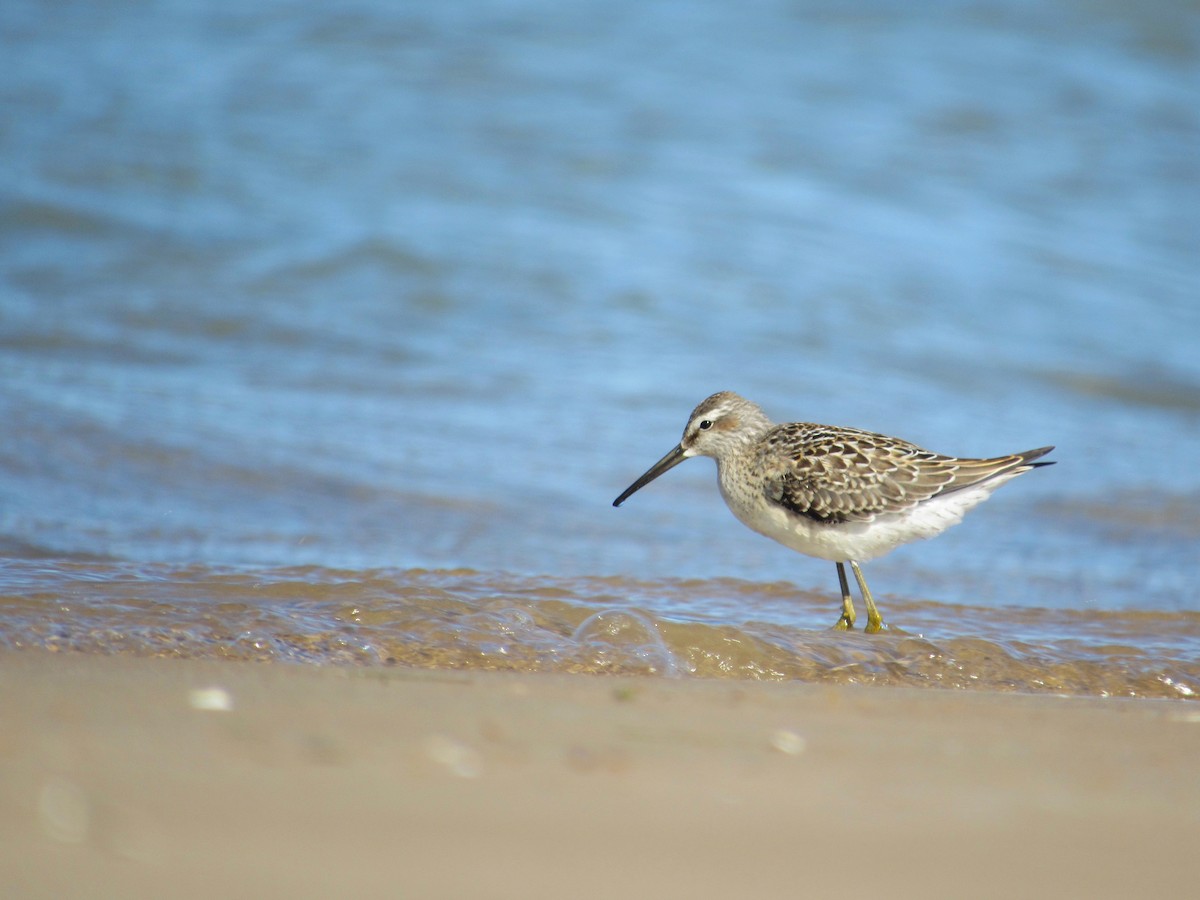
{"points": [[129, 777]]}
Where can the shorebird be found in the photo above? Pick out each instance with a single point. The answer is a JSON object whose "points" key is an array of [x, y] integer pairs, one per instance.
{"points": [[840, 494]]}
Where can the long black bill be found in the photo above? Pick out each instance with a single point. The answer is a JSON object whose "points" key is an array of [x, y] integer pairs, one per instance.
{"points": [[670, 461]]}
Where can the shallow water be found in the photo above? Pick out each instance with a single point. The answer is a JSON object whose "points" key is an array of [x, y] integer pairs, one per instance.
{"points": [[312, 309], [472, 620]]}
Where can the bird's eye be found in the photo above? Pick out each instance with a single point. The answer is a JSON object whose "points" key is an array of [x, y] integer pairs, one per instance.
{"points": [[705, 425]]}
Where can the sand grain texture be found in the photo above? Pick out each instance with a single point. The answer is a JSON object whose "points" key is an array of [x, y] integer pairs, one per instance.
{"points": [[322, 782]]}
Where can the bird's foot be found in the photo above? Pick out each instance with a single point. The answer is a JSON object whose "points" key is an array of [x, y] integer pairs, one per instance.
{"points": [[844, 623], [874, 624]]}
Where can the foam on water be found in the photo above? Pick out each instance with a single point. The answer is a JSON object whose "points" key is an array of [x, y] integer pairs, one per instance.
{"points": [[472, 620]]}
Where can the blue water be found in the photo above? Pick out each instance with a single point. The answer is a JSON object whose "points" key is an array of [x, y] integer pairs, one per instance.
{"points": [[367, 284]]}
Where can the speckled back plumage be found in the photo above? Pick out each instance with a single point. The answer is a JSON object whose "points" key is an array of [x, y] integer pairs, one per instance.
{"points": [[836, 475]]}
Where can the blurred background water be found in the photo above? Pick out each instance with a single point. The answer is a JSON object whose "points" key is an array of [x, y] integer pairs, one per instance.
{"points": [[365, 288]]}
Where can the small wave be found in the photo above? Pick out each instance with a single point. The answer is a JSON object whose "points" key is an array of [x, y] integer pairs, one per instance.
{"points": [[464, 619]]}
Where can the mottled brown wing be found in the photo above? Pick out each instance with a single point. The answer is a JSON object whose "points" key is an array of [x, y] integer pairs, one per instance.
{"points": [[845, 475]]}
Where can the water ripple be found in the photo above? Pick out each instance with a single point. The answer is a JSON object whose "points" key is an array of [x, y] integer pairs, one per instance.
{"points": [[474, 620]]}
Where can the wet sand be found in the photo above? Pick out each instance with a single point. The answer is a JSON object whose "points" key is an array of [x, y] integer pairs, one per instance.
{"points": [[131, 777]]}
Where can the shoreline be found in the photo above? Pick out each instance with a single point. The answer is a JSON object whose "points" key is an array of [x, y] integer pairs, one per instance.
{"points": [[158, 777]]}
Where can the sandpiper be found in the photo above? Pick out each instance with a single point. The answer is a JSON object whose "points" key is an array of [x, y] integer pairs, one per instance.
{"points": [[840, 494]]}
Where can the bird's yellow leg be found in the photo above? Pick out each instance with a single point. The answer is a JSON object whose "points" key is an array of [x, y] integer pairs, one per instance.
{"points": [[874, 619], [846, 622]]}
